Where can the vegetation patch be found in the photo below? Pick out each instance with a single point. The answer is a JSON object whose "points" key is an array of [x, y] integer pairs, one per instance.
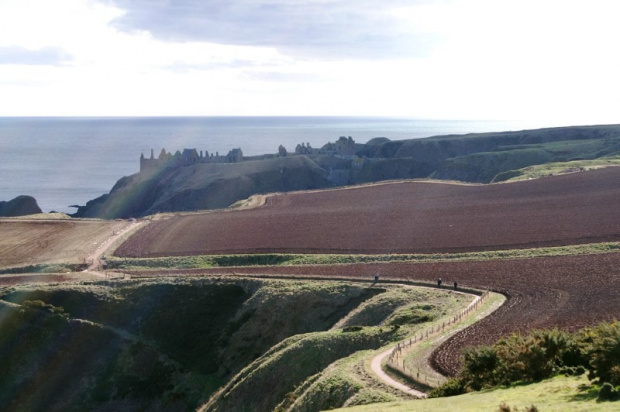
{"points": [[541, 355], [557, 168], [557, 394], [45, 268], [209, 261]]}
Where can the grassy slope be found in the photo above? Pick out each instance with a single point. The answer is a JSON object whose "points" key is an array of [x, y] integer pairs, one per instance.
{"points": [[161, 345], [485, 166], [555, 168], [557, 394], [322, 370]]}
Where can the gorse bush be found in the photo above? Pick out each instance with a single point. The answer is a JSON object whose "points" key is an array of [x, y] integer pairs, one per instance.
{"points": [[539, 355], [603, 347]]}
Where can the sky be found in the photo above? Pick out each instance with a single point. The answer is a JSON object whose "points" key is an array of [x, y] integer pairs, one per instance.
{"points": [[555, 62]]}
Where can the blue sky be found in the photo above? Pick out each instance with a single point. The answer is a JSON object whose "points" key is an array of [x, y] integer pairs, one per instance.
{"points": [[546, 61]]}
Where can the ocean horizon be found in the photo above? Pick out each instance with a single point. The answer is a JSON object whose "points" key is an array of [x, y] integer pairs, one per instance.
{"points": [[64, 161]]}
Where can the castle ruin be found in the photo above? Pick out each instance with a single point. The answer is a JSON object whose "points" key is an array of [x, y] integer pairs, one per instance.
{"points": [[344, 147], [187, 157]]}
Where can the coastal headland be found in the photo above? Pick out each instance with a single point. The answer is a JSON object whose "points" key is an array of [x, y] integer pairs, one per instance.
{"points": [[193, 179]]}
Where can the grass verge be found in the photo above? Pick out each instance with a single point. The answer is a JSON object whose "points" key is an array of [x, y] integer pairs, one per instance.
{"points": [[557, 394], [210, 261]]}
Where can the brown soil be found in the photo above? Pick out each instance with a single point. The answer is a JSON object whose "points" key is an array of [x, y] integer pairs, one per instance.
{"points": [[568, 292], [406, 217], [25, 242]]}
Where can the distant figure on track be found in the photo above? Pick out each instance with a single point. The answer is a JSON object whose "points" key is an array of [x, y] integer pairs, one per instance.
{"points": [[439, 282], [456, 285], [376, 278]]}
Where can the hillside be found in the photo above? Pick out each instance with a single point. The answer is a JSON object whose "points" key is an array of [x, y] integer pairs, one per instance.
{"points": [[477, 158], [167, 345]]}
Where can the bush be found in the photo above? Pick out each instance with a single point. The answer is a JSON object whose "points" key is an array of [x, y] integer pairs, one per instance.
{"points": [[603, 348], [352, 328], [608, 392], [540, 355], [40, 305], [452, 387], [536, 356], [479, 367]]}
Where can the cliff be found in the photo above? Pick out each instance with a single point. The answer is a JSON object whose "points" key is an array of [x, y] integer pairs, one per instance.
{"points": [[191, 184], [204, 186], [20, 206]]}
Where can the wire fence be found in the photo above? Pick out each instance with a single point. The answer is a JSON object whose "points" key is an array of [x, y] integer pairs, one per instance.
{"points": [[396, 360]]}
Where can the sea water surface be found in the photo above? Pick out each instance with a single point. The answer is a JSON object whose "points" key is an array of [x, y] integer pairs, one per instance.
{"points": [[68, 161]]}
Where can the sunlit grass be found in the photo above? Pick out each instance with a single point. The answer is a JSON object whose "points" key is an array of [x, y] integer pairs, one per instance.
{"points": [[557, 394]]}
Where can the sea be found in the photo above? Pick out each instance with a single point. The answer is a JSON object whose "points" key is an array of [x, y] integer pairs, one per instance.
{"points": [[66, 161]]}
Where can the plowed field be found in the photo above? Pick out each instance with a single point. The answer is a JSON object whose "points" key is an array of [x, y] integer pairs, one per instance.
{"points": [[568, 292], [26, 242], [406, 217]]}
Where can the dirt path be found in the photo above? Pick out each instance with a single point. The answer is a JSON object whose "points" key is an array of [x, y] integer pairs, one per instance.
{"points": [[376, 364], [97, 255]]}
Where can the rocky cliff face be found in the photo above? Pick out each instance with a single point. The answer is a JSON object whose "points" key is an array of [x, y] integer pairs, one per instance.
{"points": [[20, 206]]}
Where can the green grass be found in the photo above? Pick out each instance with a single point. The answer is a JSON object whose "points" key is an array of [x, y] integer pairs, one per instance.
{"points": [[210, 261], [325, 369], [557, 394], [181, 338], [493, 165], [548, 169]]}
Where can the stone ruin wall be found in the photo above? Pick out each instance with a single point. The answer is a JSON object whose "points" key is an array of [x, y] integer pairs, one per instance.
{"points": [[187, 157]]}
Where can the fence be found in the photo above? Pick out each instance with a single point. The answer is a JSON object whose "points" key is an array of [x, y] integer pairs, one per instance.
{"points": [[396, 360]]}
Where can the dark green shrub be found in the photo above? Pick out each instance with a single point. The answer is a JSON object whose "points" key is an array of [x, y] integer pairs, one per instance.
{"points": [[40, 305], [452, 387], [479, 365], [607, 392], [603, 348], [352, 328]]}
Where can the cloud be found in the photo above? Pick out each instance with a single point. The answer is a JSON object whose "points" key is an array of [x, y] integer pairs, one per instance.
{"points": [[185, 67], [46, 56], [330, 29], [273, 76]]}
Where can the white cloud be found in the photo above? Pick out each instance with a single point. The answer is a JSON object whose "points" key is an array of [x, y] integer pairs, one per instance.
{"points": [[480, 59], [21, 56]]}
